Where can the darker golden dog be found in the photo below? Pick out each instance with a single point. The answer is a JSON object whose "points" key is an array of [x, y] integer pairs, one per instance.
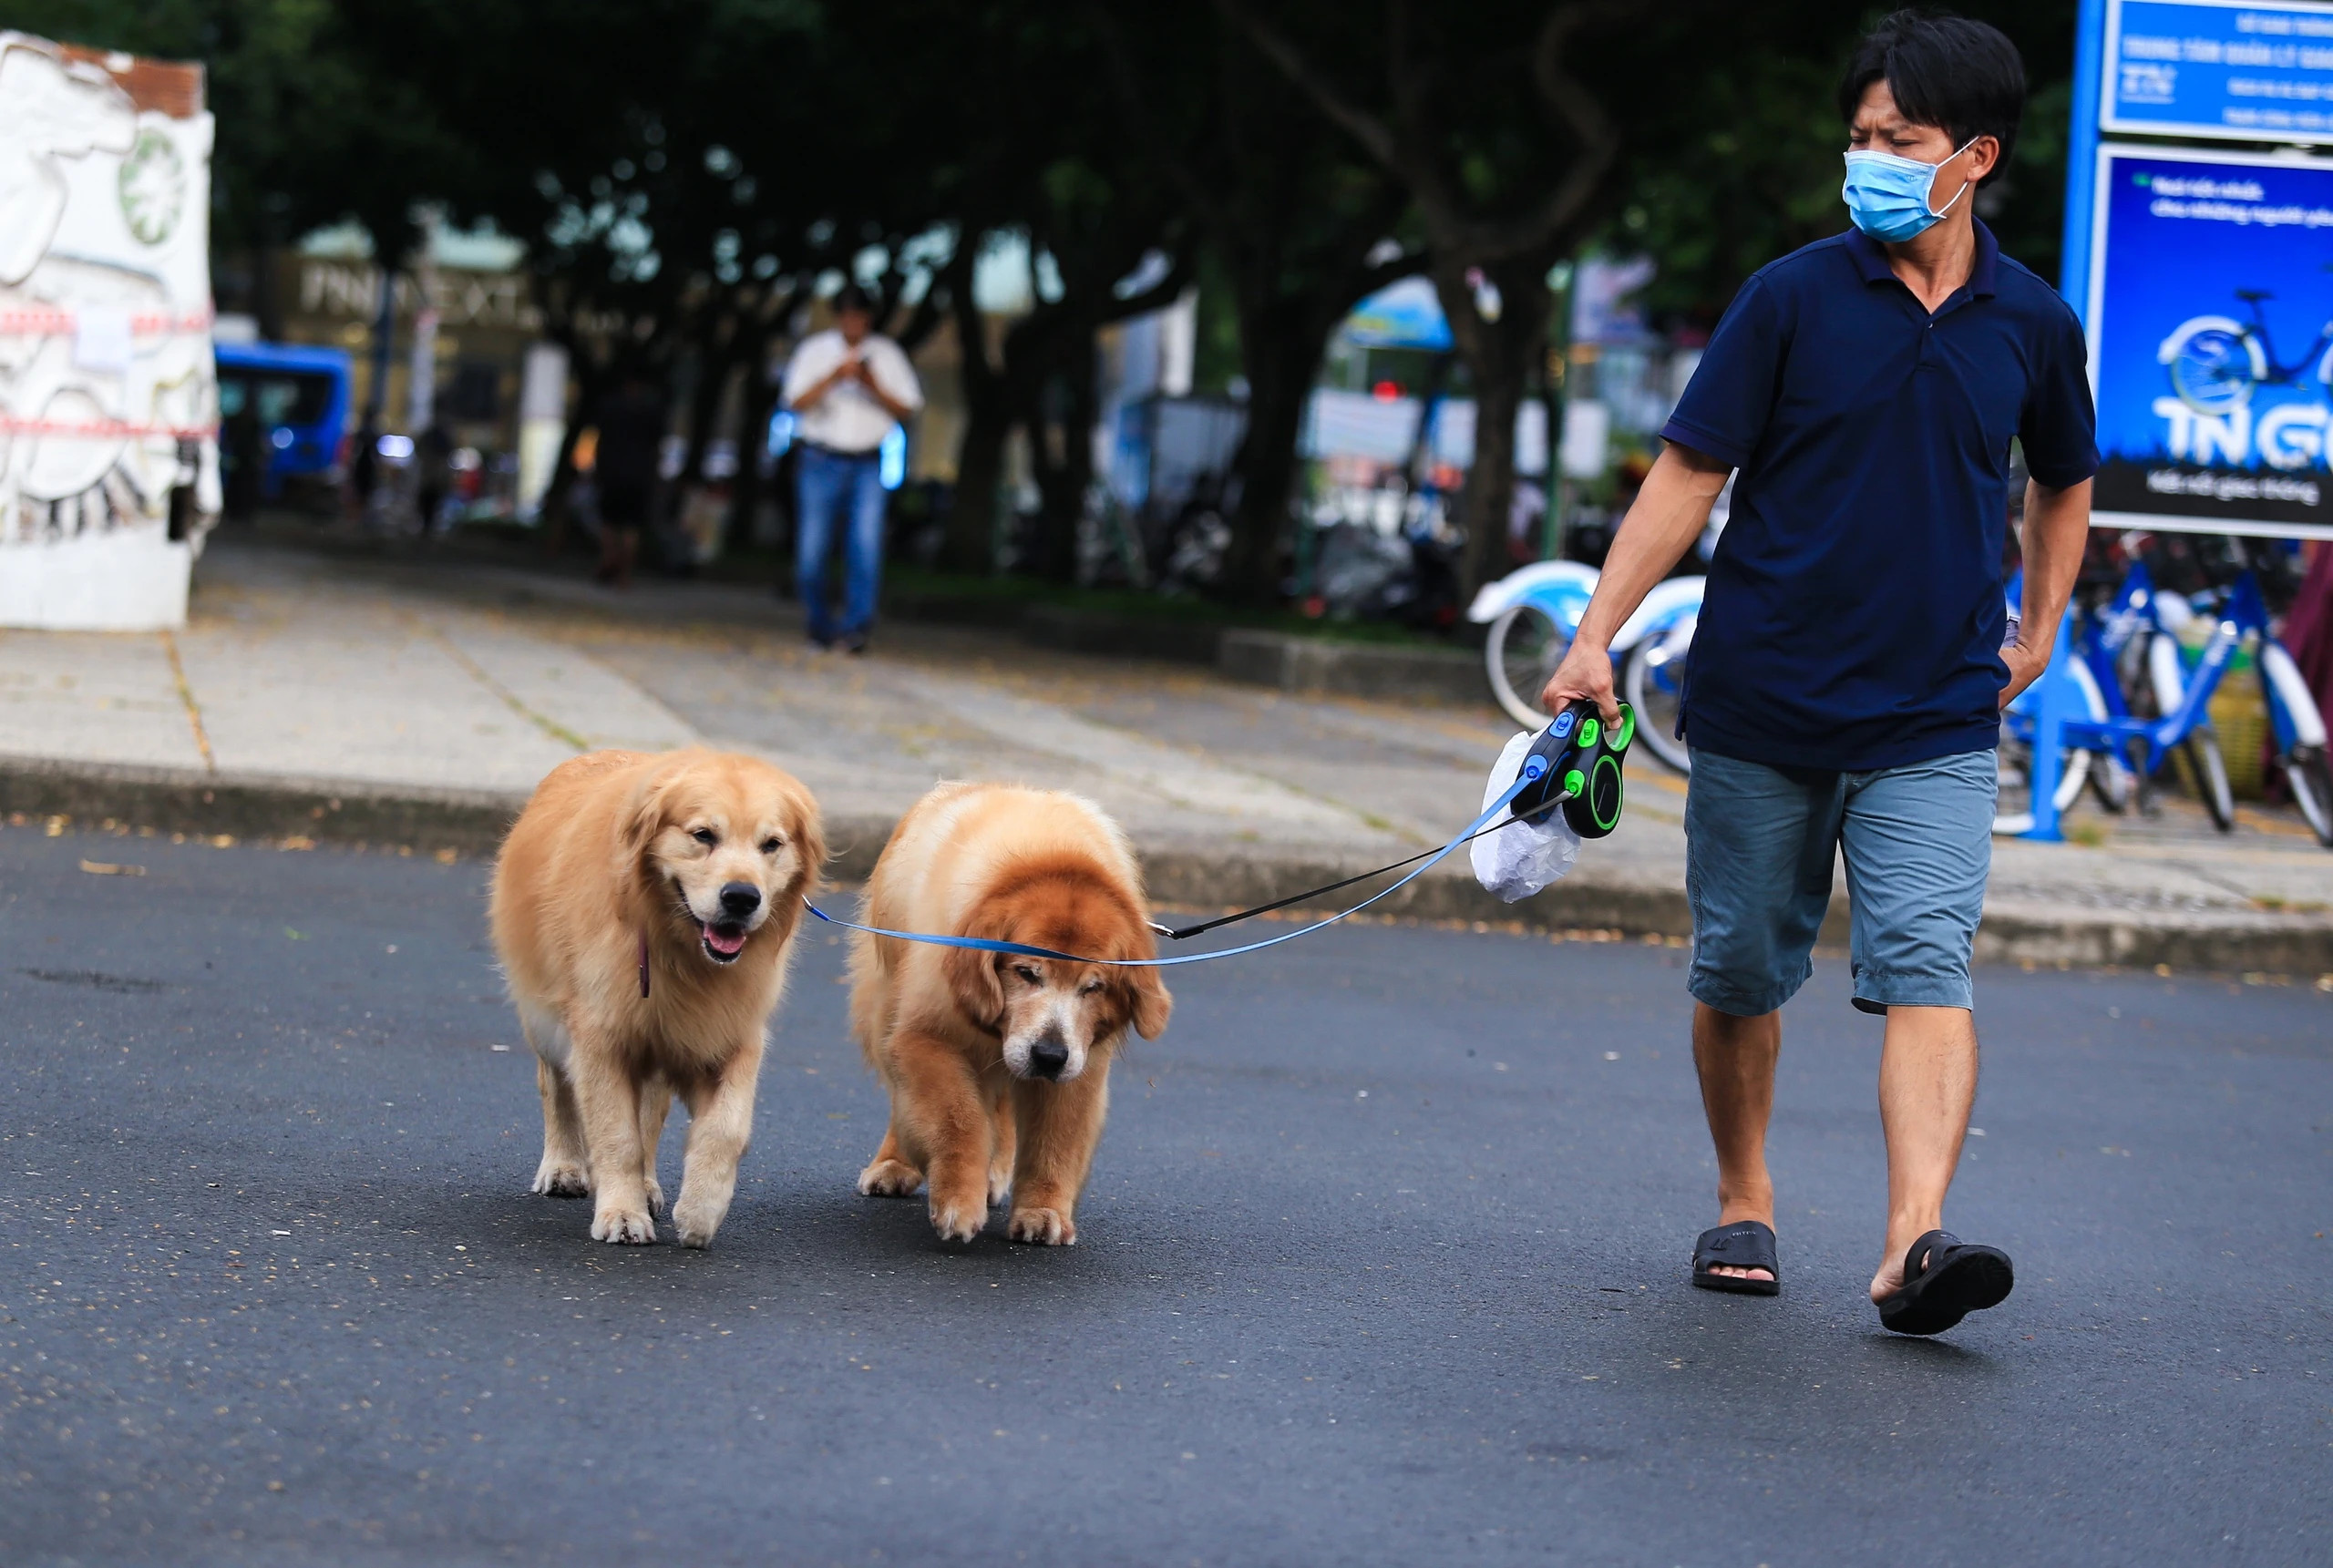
{"points": [[644, 908], [998, 1065]]}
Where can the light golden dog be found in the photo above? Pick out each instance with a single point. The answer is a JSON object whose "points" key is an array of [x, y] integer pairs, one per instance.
{"points": [[644, 908], [998, 1065]]}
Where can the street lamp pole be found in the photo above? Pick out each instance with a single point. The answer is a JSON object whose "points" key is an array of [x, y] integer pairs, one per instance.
{"points": [[1553, 370]]}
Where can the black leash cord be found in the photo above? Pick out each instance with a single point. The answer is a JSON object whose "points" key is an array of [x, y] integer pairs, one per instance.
{"points": [[1207, 926]]}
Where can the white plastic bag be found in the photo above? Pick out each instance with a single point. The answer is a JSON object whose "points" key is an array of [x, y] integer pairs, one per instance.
{"points": [[1520, 858]]}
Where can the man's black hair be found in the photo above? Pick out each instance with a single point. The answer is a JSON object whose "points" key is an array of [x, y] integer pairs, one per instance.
{"points": [[852, 297], [1962, 77]]}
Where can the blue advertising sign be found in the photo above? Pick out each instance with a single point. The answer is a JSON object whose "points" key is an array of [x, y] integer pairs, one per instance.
{"points": [[1407, 314], [2210, 316], [2231, 70]]}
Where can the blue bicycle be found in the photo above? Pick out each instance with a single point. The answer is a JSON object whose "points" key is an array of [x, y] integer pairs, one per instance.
{"points": [[2129, 659], [2238, 614]]}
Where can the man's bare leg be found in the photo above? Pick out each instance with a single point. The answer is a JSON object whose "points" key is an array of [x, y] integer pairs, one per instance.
{"points": [[1735, 1056], [1927, 1083]]}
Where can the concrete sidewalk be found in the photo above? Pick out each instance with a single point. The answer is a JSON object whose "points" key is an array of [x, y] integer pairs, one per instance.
{"points": [[417, 703]]}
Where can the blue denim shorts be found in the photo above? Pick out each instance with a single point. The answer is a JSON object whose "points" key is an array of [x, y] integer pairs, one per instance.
{"points": [[1760, 843]]}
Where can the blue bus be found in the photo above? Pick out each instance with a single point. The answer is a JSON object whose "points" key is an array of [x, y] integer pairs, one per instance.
{"points": [[295, 396]]}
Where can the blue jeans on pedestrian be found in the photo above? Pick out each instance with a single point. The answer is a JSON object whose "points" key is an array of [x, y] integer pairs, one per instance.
{"points": [[827, 485], [1760, 845]]}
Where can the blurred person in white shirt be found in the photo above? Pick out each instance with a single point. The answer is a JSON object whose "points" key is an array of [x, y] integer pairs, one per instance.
{"points": [[847, 388]]}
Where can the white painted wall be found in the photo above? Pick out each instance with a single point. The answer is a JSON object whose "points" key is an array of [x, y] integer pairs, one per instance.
{"points": [[124, 579], [108, 393]]}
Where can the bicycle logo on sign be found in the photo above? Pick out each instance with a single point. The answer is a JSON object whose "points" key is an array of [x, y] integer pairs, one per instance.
{"points": [[2217, 363]]}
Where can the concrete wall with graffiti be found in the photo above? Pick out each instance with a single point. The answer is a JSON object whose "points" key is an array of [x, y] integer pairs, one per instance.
{"points": [[109, 397]]}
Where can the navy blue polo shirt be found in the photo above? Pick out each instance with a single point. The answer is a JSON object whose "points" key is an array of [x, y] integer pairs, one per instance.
{"points": [[1855, 608]]}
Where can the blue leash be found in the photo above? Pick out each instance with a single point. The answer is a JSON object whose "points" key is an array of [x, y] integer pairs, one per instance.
{"points": [[1533, 768]]}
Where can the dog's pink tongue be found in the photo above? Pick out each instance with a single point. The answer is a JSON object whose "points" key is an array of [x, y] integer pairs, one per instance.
{"points": [[725, 939]]}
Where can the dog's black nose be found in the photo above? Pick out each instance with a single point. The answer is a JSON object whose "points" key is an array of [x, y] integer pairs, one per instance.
{"points": [[1048, 1056], [740, 899]]}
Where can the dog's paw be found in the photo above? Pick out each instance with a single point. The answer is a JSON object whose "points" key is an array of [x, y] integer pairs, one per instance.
{"points": [[889, 1179], [1042, 1228], [656, 1208], [623, 1227], [958, 1221], [999, 1186], [695, 1221], [559, 1181]]}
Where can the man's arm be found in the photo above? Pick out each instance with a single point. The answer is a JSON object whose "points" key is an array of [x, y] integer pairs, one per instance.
{"points": [[823, 385], [899, 407], [803, 390], [2057, 526], [1664, 520]]}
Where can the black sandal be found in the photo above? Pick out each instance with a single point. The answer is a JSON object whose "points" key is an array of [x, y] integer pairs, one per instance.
{"points": [[1745, 1244], [1945, 1279]]}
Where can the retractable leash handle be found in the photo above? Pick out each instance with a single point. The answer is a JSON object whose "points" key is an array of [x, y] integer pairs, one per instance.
{"points": [[1576, 761]]}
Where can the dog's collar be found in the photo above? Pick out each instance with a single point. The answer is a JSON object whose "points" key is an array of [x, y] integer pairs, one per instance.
{"points": [[643, 966]]}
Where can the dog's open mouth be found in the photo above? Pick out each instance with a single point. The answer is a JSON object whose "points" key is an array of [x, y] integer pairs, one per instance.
{"points": [[724, 941]]}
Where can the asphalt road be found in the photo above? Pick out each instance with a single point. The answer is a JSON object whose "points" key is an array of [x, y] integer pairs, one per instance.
{"points": [[1383, 1262]]}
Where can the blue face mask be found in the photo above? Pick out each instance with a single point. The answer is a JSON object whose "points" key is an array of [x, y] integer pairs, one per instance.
{"points": [[1887, 196]]}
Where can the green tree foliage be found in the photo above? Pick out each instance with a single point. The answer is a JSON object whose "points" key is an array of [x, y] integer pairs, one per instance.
{"points": [[1512, 127], [686, 173], [310, 131], [1299, 221], [1748, 167]]}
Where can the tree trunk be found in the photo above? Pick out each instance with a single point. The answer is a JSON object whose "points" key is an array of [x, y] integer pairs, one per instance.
{"points": [[1066, 403], [592, 379], [760, 402], [267, 288], [968, 544], [713, 348], [1280, 347], [1499, 355]]}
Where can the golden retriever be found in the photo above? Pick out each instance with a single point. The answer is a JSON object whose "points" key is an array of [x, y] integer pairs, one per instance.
{"points": [[998, 1065], [644, 908]]}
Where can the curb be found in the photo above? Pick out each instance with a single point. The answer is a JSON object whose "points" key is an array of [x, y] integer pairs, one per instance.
{"points": [[251, 805], [1311, 666], [472, 822]]}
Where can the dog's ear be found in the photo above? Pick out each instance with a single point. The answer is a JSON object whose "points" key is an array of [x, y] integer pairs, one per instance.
{"points": [[1152, 1004], [809, 840], [642, 819], [980, 989]]}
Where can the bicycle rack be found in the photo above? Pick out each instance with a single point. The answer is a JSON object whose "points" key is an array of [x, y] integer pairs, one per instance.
{"points": [[2055, 702]]}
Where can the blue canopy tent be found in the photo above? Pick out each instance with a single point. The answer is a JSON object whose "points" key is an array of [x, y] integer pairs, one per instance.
{"points": [[1407, 314]]}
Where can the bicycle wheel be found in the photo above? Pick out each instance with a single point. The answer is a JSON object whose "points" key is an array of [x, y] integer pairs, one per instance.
{"points": [[2310, 779], [2212, 371], [2207, 770], [1655, 687], [1525, 646], [2015, 761], [2111, 783]]}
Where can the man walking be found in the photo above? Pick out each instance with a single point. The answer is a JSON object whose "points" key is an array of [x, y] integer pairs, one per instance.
{"points": [[1850, 663], [847, 388]]}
